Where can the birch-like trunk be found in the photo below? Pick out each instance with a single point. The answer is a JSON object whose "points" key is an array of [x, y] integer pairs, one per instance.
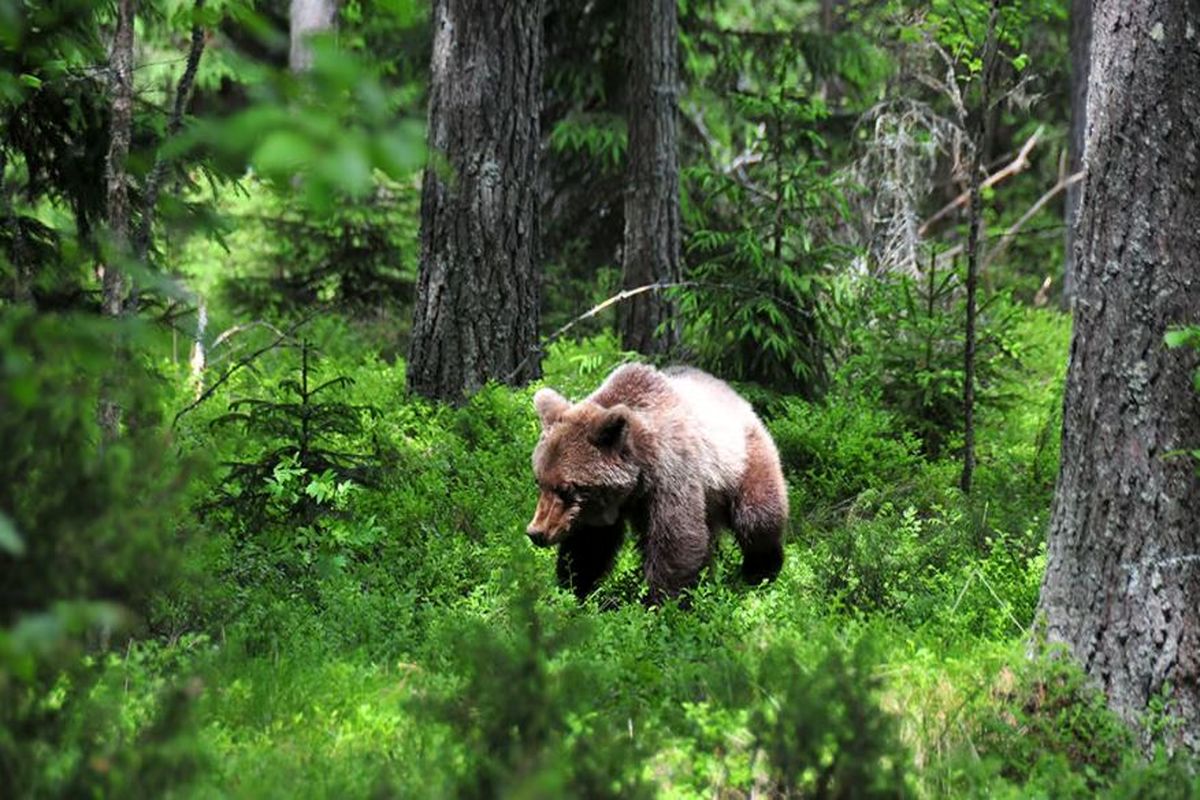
{"points": [[307, 17]]}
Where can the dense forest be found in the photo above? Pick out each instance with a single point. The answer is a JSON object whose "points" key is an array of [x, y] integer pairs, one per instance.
{"points": [[292, 292]]}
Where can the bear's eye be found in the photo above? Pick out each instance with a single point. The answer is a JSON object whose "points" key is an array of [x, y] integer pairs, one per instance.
{"points": [[566, 493]]}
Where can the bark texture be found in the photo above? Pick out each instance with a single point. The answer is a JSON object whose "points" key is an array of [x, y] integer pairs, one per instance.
{"points": [[120, 131], [476, 315], [1122, 585], [1081, 39], [652, 237], [115, 284], [307, 17]]}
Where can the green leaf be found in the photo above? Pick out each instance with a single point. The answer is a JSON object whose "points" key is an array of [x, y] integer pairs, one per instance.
{"points": [[1179, 336], [10, 540]]}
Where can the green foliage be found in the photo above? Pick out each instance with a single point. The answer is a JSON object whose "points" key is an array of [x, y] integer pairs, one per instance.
{"points": [[287, 501], [333, 127], [836, 451], [90, 555], [822, 730], [760, 302], [1050, 717], [527, 713], [601, 138], [912, 349], [361, 256], [88, 519]]}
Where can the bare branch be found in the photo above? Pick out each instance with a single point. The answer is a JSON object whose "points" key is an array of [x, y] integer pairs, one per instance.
{"points": [[1015, 228], [241, 362], [1016, 166]]}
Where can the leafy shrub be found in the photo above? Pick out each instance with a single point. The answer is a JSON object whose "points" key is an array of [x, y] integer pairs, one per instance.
{"points": [[1047, 713], [835, 450], [360, 255], [526, 711], [822, 730], [304, 437], [912, 349], [89, 543], [84, 518], [883, 563]]}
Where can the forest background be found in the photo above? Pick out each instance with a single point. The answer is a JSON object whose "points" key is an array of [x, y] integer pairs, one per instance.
{"points": [[263, 485]]}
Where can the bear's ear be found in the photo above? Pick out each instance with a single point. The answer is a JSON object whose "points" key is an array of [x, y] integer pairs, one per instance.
{"points": [[550, 406], [611, 428]]}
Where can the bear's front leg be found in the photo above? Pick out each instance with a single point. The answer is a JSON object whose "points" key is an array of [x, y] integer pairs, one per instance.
{"points": [[676, 546], [587, 556]]}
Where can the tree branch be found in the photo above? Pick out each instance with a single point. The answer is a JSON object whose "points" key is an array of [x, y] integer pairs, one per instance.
{"points": [[242, 362], [1012, 231], [1017, 165], [183, 95]]}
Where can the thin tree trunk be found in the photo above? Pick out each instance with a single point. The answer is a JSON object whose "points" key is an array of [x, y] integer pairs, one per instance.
{"points": [[476, 316], [1122, 584], [1081, 37], [22, 290], [183, 95], [120, 132], [114, 282], [982, 138], [308, 17], [652, 226]]}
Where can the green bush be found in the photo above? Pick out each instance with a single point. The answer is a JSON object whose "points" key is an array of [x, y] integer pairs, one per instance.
{"points": [[836, 450], [1050, 721], [911, 353], [527, 711], [89, 554], [822, 730]]}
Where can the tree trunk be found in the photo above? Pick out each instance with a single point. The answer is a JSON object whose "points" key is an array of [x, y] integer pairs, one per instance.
{"points": [[114, 283], [183, 95], [1081, 38], [652, 237], [120, 132], [308, 17], [1122, 583], [476, 315]]}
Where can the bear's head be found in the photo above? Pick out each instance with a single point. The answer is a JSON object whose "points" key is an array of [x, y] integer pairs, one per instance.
{"points": [[583, 464]]}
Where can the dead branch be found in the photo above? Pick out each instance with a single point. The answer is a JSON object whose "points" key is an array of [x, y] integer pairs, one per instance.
{"points": [[1008, 235], [229, 333], [1016, 166], [241, 362]]}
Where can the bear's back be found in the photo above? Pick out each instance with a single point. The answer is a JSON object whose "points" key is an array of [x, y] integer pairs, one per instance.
{"points": [[701, 424]]}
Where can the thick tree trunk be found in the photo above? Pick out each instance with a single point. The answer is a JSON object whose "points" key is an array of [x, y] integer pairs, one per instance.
{"points": [[308, 17], [476, 314], [652, 237], [1122, 584], [1081, 38]]}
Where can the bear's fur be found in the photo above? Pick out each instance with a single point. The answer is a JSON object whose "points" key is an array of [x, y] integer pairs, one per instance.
{"points": [[677, 453]]}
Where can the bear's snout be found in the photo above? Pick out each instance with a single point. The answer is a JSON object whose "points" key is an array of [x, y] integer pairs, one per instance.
{"points": [[538, 537]]}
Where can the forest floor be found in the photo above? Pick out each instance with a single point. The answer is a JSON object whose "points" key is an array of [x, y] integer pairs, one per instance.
{"points": [[398, 636]]}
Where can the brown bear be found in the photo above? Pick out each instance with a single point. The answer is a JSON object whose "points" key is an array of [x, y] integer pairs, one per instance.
{"points": [[677, 453]]}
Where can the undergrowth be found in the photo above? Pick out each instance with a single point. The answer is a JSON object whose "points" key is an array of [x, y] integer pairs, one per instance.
{"points": [[398, 637]]}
